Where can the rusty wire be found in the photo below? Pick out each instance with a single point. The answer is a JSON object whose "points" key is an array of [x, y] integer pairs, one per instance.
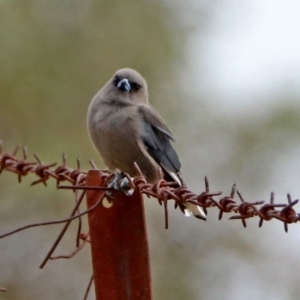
{"points": [[88, 288], [163, 191]]}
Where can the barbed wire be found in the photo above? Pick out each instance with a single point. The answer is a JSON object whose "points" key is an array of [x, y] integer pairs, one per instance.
{"points": [[163, 191]]}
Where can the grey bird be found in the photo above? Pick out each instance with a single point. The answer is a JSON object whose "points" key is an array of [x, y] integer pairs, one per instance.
{"points": [[125, 129]]}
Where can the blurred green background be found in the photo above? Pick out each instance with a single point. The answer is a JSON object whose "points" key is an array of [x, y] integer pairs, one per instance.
{"points": [[56, 54]]}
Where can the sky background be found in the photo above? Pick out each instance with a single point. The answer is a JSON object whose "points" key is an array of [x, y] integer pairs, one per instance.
{"points": [[254, 47]]}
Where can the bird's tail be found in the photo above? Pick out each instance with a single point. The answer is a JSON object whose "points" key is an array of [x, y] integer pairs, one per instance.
{"points": [[189, 209]]}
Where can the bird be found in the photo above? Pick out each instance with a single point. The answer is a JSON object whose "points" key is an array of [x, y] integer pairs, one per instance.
{"points": [[126, 129]]}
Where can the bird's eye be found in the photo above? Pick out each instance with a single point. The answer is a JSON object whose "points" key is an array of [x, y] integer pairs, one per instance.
{"points": [[116, 80], [135, 86]]}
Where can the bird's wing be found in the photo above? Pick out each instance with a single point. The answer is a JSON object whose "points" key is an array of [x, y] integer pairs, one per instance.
{"points": [[157, 139]]}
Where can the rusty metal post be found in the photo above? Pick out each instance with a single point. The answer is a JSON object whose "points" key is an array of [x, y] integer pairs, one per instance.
{"points": [[119, 245]]}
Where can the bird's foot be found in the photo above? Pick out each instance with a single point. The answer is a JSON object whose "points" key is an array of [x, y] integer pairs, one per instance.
{"points": [[121, 183]]}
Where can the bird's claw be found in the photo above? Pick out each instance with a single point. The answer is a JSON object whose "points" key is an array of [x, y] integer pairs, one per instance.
{"points": [[125, 186], [120, 183]]}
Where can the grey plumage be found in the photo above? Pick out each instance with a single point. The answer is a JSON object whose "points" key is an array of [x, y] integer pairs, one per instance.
{"points": [[125, 129]]}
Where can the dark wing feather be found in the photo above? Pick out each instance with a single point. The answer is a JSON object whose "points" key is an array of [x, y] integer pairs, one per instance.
{"points": [[157, 138]]}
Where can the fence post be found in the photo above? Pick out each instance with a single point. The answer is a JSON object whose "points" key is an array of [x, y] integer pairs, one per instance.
{"points": [[119, 245]]}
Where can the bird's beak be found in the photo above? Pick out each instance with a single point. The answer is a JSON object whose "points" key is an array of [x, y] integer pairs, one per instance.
{"points": [[124, 85]]}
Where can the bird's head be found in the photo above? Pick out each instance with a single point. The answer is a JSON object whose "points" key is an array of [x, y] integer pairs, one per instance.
{"points": [[130, 85]]}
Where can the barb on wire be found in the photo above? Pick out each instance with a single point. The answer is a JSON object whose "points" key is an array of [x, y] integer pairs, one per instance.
{"points": [[287, 215]]}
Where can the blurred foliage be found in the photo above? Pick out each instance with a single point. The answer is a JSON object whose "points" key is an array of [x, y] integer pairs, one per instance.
{"points": [[55, 55]]}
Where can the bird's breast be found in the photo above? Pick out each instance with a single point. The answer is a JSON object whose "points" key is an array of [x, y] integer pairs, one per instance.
{"points": [[114, 132]]}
